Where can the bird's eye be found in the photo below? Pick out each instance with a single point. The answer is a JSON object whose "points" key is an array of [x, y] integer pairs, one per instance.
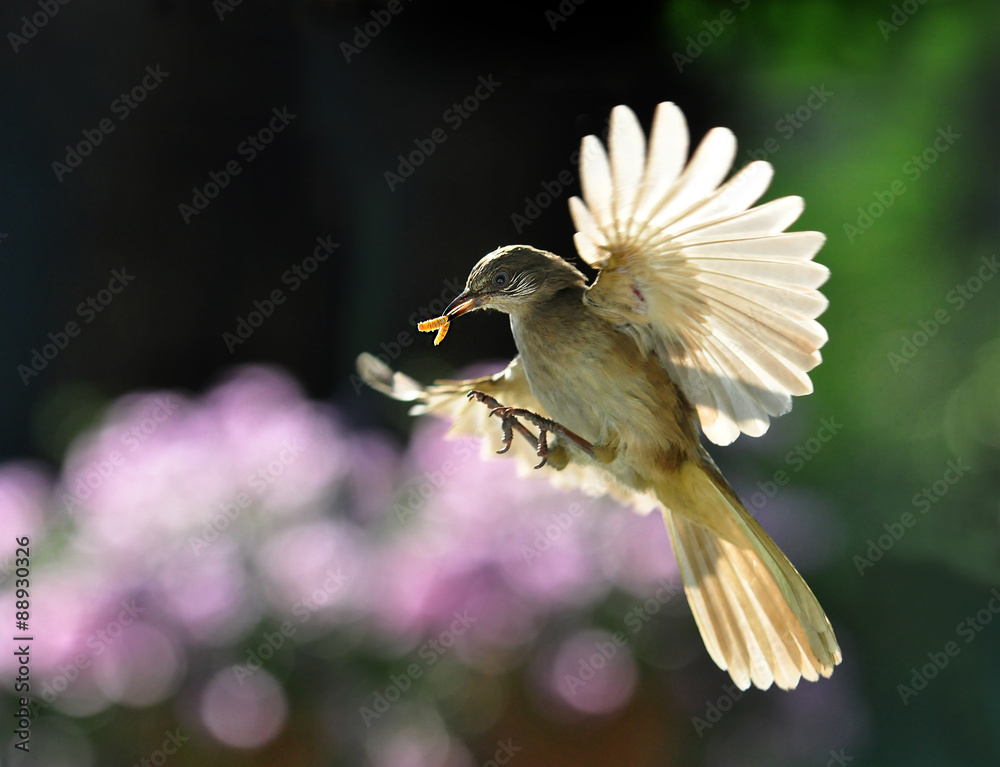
{"points": [[500, 279]]}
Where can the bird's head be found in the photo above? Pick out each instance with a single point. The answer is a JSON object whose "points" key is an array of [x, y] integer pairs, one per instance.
{"points": [[514, 279]]}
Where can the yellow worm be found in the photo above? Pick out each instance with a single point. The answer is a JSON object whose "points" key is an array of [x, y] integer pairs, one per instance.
{"points": [[440, 324]]}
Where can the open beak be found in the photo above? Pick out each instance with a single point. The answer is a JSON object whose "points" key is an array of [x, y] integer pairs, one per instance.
{"points": [[463, 303]]}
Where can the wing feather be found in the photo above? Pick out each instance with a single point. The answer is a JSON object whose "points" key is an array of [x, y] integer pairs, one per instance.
{"points": [[448, 399], [693, 273], [628, 152]]}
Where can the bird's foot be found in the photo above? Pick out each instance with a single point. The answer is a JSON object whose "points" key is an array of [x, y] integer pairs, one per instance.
{"points": [[509, 422]]}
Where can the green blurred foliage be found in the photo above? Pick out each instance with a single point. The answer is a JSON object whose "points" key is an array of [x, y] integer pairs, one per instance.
{"points": [[917, 273]]}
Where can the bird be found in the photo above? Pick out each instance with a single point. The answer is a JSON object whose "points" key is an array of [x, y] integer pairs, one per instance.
{"points": [[701, 320]]}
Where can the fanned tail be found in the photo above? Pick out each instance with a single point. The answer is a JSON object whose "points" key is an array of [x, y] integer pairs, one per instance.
{"points": [[758, 618]]}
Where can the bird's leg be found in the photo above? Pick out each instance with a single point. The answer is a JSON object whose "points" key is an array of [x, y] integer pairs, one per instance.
{"points": [[545, 427], [509, 421], [508, 425]]}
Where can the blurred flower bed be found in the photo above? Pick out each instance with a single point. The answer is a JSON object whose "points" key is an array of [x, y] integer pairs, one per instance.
{"points": [[243, 570]]}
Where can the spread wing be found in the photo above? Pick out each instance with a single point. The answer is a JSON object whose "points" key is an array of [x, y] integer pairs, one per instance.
{"points": [[448, 399], [693, 273]]}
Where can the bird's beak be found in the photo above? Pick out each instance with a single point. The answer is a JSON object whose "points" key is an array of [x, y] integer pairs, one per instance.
{"points": [[463, 303]]}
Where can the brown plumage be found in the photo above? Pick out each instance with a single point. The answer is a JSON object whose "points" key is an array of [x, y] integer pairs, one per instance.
{"points": [[703, 314]]}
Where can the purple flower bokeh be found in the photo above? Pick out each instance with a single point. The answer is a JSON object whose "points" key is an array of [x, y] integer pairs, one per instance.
{"points": [[182, 530]]}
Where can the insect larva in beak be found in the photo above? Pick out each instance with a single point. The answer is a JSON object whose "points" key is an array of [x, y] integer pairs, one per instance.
{"points": [[440, 324]]}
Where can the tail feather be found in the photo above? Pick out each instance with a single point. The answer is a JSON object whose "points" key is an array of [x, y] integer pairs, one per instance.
{"points": [[757, 616]]}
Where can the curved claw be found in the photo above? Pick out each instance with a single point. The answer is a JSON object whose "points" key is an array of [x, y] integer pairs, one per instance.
{"points": [[506, 426], [543, 448]]}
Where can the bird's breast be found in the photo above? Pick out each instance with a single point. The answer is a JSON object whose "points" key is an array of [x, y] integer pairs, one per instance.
{"points": [[594, 380]]}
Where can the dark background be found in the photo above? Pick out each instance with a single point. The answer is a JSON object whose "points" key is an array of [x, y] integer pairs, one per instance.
{"points": [[893, 89]]}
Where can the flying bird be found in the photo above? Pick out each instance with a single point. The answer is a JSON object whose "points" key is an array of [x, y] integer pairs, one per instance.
{"points": [[702, 316]]}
